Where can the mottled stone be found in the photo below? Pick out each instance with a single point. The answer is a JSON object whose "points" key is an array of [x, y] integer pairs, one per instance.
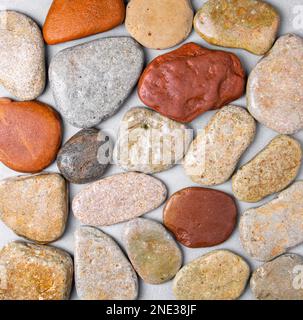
{"points": [[214, 154], [248, 24], [85, 157], [118, 198], [275, 86], [218, 275], [35, 206], [91, 81], [152, 250], [271, 229], [22, 63], [34, 272], [149, 142], [102, 272], [270, 171]]}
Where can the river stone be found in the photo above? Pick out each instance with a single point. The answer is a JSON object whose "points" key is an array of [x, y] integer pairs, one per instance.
{"points": [[214, 154], [271, 229], [34, 272], [217, 275], [247, 24], [152, 250], [85, 157], [270, 171], [22, 63], [91, 81], [275, 86], [149, 142], [118, 198], [102, 272], [35, 206]]}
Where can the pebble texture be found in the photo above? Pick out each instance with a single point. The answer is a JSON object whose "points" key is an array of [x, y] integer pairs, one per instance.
{"points": [[101, 270], [91, 81], [22, 63], [34, 272], [85, 157], [218, 275], [214, 154], [276, 280], [275, 86], [159, 24], [35, 206], [149, 142], [247, 24], [270, 171], [271, 229], [152, 250], [118, 198]]}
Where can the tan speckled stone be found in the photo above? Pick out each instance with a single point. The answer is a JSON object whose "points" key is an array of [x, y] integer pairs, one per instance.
{"points": [[270, 171], [217, 275], [34, 272], [214, 154]]}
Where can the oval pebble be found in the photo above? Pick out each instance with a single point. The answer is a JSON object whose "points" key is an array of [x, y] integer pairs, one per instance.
{"points": [[214, 154], [218, 275], [102, 272], [152, 250], [270, 171], [118, 198]]}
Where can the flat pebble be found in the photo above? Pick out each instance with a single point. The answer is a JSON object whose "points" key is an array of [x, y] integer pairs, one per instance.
{"points": [[118, 198], [200, 217], [22, 63], [218, 275], [91, 81], [273, 228], [85, 156], [275, 86], [152, 250], [102, 272], [270, 171], [149, 143], [34, 272], [214, 154]]}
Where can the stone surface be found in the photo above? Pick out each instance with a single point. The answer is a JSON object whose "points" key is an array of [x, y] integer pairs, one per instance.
{"points": [[91, 81], [35, 206], [191, 80], [152, 250], [34, 272], [271, 229], [275, 86], [149, 142], [30, 135], [159, 24], [22, 63], [218, 275], [214, 154], [118, 198], [200, 217], [270, 171], [75, 19], [247, 24], [85, 156], [102, 272]]}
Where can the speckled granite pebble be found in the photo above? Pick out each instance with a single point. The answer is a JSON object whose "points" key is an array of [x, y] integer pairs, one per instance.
{"points": [[271, 229], [22, 63], [102, 272], [91, 81], [118, 198], [217, 275], [152, 250], [34, 272]]}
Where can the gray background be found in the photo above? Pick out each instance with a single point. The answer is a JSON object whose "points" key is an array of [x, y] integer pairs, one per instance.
{"points": [[174, 178]]}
